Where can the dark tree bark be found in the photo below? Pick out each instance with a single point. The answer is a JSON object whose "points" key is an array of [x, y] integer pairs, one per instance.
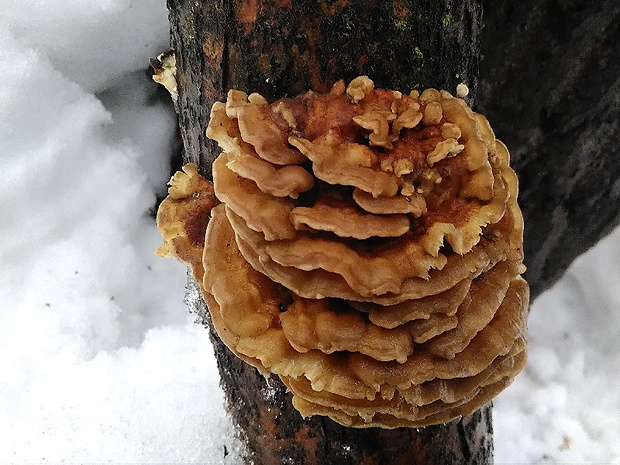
{"points": [[550, 87], [284, 48]]}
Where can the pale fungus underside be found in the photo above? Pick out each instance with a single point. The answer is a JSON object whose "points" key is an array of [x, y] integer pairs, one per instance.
{"points": [[367, 249]]}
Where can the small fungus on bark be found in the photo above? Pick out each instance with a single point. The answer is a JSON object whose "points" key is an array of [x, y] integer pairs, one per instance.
{"points": [[367, 249], [164, 72]]}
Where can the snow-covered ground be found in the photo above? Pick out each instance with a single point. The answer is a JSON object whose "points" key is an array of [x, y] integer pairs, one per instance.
{"points": [[100, 361]]}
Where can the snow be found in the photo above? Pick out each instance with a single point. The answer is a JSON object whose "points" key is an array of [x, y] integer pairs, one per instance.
{"points": [[100, 359], [565, 406], [92, 43]]}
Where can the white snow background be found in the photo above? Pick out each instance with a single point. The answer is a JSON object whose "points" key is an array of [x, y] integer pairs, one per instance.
{"points": [[100, 361]]}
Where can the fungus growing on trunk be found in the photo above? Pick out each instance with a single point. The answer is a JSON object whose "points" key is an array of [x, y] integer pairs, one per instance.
{"points": [[164, 72], [367, 250]]}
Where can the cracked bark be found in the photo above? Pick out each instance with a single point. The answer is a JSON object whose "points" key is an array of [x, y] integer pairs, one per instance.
{"points": [[564, 103]]}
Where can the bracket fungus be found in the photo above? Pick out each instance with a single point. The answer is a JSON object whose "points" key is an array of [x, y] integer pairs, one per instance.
{"points": [[363, 245]]}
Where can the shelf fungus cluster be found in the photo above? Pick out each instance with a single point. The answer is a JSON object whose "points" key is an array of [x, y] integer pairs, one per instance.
{"points": [[364, 245]]}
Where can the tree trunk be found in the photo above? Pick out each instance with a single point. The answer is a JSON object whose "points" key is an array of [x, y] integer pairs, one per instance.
{"points": [[550, 86], [284, 48]]}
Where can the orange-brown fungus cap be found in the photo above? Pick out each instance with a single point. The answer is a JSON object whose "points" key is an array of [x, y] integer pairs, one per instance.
{"points": [[368, 250], [183, 216]]}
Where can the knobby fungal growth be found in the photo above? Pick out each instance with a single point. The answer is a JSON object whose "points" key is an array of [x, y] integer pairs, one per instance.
{"points": [[164, 72], [365, 246]]}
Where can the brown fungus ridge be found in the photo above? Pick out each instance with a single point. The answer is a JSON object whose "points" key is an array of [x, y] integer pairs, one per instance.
{"points": [[346, 163], [462, 229], [315, 324], [318, 283], [315, 284], [409, 116], [260, 127], [424, 308], [316, 114], [378, 116], [279, 181], [476, 133], [183, 216], [368, 275], [359, 88], [348, 221], [453, 389], [255, 297], [494, 340], [417, 404], [439, 323], [378, 123], [225, 131], [229, 338], [287, 181], [426, 416], [487, 292], [450, 390], [415, 205], [445, 149], [262, 212], [271, 352], [515, 238]]}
